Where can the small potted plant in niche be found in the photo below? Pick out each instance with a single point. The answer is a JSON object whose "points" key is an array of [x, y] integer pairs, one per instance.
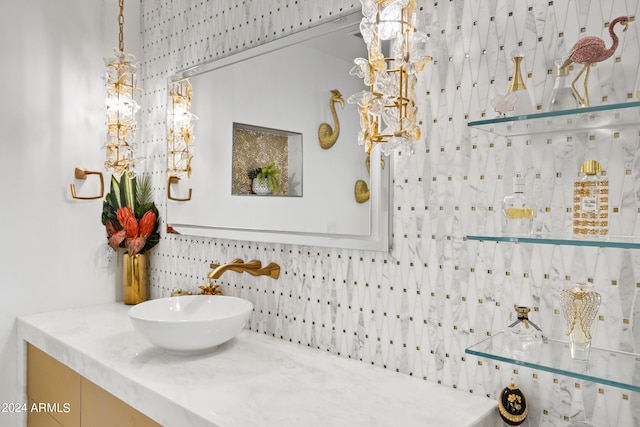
{"points": [[264, 179]]}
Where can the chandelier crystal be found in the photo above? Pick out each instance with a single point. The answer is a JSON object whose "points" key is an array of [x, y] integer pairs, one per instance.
{"points": [[388, 110], [180, 135], [121, 107]]}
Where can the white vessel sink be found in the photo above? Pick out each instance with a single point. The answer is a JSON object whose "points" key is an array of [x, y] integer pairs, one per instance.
{"points": [[190, 324]]}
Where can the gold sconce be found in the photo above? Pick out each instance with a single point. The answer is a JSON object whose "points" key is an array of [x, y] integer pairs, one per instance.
{"points": [[361, 189], [82, 173], [179, 129], [121, 106], [327, 136], [173, 179], [388, 110]]}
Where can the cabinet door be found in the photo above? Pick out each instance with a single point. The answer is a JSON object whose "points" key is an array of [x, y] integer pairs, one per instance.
{"points": [[40, 419], [102, 409], [54, 390]]}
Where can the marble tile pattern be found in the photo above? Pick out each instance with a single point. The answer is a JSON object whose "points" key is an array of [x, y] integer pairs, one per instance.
{"points": [[414, 310], [252, 380]]}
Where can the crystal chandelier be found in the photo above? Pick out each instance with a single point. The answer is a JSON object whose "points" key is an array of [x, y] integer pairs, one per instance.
{"points": [[388, 110], [121, 106], [179, 129]]}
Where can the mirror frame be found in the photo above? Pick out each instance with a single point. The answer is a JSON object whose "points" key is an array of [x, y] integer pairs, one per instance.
{"points": [[380, 232]]}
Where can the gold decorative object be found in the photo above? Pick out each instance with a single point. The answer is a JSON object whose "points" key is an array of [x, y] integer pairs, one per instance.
{"points": [[523, 317], [589, 50], [326, 135], [210, 288], [523, 102], [580, 306], [121, 106], [361, 189], [174, 180], [517, 82], [180, 135], [135, 281], [388, 110], [179, 292], [512, 406], [253, 267], [82, 173]]}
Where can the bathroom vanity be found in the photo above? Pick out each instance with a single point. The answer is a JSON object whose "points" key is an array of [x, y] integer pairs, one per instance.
{"points": [[253, 380]]}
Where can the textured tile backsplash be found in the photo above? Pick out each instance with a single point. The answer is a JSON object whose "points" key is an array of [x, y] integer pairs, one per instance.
{"points": [[417, 308]]}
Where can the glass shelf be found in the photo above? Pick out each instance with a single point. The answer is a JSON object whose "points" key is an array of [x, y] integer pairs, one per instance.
{"points": [[624, 242], [612, 116], [609, 367]]}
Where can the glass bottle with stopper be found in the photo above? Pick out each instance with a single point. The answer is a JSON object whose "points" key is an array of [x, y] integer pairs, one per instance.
{"points": [[591, 201], [524, 104], [517, 211]]}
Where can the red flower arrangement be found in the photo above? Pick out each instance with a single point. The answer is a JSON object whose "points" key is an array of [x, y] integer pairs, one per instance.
{"points": [[129, 215]]}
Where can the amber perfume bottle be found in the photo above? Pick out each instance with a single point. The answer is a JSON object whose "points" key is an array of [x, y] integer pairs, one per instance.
{"points": [[517, 212], [590, 201]]}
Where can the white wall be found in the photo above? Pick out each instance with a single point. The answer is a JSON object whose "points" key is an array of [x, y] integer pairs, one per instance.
{"points": [[416, 309], [51, 120]]}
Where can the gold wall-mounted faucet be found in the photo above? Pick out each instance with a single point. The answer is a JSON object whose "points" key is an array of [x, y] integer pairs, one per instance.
{"points": [[253, 267]]}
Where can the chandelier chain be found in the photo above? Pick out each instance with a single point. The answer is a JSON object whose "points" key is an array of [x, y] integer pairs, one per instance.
{"points": [[121, 26]]}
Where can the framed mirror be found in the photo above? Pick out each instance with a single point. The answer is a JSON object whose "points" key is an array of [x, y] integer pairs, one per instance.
{"points": [[282, 91]]}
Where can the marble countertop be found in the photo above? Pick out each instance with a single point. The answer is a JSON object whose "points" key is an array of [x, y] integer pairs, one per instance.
{"points": [[253, 380]]}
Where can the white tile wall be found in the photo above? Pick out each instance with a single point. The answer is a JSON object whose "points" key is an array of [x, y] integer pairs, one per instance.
{"points": [[415, 309]]}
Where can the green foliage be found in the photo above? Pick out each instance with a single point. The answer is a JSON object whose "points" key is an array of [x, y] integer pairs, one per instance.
{"points": [[268, 174], [128, 191]]}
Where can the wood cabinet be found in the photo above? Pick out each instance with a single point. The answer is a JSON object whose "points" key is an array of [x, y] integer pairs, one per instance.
{"points": [[60, 397]]}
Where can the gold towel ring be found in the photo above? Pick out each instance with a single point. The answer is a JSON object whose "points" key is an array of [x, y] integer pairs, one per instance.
{"points": [[82, 173]]}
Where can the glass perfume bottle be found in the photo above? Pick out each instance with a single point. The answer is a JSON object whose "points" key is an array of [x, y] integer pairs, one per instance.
{"points": [[603, 204], [522, 333], [586, 200], [517, 212], [524, 104], [579, 304], [562, 97]]}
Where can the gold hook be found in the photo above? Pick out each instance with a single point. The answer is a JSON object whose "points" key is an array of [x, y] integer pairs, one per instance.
{"points": [[174, 180], [361, 190], [81, 173]]}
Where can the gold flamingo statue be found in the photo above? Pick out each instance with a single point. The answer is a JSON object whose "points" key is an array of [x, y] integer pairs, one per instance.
{"points": [[326, 135], [588, 51]]}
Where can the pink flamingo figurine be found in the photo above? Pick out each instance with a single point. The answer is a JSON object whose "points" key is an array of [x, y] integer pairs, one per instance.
{"points": [[588, 51]]}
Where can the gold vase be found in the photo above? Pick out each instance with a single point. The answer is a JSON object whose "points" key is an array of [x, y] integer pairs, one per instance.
{"points": [[135, 281]]}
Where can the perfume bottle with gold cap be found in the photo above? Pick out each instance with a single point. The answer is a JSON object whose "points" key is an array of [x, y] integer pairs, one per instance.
{"points": [[591, 201], [579, 304], [524, 104], [517, 212], [603, 204], [522, 334]]}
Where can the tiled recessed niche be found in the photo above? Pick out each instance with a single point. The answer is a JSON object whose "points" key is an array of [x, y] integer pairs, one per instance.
{"points": [[257, 147]]}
